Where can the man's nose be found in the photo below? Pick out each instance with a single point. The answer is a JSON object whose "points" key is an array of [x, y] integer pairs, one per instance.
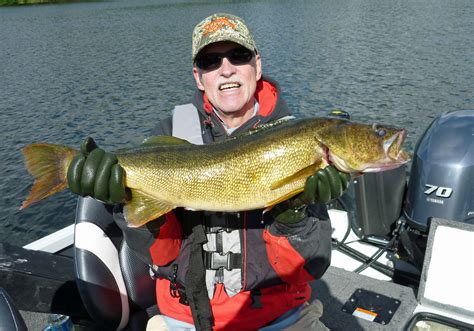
{"points": [[227, 68]]}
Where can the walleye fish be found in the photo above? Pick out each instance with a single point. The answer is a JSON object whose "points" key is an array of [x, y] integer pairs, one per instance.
{"points": [[256, 170]]}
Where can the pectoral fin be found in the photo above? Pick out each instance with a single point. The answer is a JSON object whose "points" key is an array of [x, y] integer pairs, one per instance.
{"points": [[301, 174], [144, 208]]}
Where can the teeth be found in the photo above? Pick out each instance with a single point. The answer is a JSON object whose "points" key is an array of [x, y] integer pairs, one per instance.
{"points": [[228, 86]]}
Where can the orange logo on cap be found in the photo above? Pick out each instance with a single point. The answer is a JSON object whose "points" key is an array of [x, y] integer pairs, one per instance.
{"points": [[217, 24]]}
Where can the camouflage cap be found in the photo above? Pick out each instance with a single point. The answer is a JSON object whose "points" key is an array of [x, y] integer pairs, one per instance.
{"points": [[221, 27]]}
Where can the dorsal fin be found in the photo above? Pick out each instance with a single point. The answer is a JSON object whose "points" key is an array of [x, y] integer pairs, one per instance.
{"points": [[264, 127], [164, 140], [267, 126]]}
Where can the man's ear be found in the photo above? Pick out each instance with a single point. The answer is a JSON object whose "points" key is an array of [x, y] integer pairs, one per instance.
{"points": [[258, 66], [197, 78]]}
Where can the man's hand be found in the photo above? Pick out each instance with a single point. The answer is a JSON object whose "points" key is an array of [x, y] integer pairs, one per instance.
{"points": [[95, 173], [325, 185]]}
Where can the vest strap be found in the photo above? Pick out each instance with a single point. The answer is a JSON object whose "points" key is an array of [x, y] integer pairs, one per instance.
{"points": [[196, 291]]}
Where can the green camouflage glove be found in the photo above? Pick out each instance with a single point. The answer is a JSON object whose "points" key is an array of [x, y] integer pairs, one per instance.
{"points": [[325, 185], [95, 173]]}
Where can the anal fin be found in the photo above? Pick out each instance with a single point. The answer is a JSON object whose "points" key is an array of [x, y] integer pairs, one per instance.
{"points": [[143, 208], [287, 196]]}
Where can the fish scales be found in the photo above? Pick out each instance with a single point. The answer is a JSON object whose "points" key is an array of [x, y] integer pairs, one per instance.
{"points": [[235, 174]]}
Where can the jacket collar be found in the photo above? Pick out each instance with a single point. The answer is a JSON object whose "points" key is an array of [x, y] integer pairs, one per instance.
{"points": [[266, 94]]}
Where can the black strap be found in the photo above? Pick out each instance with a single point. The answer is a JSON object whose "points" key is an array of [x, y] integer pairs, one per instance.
{"points": [[219, 247], [196, 290], [218, 222], [219, 243]]}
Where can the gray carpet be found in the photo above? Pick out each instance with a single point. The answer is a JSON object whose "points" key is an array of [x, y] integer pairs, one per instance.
{"points": [[34, 321], [337, 286]]}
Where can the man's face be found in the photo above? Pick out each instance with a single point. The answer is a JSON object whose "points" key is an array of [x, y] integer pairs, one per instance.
{"points": [[230, 88]]}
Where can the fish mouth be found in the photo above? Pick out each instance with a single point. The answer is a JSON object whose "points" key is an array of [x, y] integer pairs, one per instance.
{"points": [[393, 148], [395, 156], [403, 156], [229, 86]]}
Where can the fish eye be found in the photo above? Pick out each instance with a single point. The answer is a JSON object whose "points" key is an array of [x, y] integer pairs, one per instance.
{"points": [[381, 132]]}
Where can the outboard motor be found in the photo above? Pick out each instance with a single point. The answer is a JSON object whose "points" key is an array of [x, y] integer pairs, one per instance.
{"points": [[441, 185], [441, 180]]}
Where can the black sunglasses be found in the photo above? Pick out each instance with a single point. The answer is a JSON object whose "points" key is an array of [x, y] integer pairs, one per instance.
{"points": [[212, 61]]}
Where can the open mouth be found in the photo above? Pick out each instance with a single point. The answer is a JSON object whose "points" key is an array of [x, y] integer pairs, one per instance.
{"points": [[395, 156], [229, 86], [393, 147], [402, 155]]}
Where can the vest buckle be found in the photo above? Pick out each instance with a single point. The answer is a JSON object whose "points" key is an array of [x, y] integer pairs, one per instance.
{"points": [[216, 260]]}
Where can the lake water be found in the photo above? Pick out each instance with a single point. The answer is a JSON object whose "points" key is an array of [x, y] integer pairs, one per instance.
{"points": [[112, 70]]}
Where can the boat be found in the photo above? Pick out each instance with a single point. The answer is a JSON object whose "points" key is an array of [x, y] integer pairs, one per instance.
{"points": [[403, 253]]}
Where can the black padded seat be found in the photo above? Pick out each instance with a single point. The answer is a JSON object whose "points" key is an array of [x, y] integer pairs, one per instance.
{"points": [[114, 284]]}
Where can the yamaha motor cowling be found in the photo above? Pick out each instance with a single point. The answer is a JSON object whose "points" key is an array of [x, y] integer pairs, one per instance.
{"points": [[441, 180]]}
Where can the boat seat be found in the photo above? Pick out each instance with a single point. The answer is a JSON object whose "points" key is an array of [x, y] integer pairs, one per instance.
{"points": [[114, 284], [10, 318]]}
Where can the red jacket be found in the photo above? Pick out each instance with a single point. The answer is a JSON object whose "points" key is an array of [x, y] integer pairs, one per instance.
{"points": [[277, 260]]}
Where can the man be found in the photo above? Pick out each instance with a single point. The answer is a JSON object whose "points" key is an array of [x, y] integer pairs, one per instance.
{"points": [[226, 271]]}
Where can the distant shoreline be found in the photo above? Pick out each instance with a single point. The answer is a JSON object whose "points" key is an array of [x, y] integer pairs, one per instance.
{"points": [[32, 2]]}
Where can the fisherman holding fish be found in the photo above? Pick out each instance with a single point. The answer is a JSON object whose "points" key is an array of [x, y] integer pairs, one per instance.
{"points": [[226, 204], [245, 270]]}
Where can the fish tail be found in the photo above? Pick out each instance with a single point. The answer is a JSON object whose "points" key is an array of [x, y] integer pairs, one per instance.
{"points": [[48, 164]]}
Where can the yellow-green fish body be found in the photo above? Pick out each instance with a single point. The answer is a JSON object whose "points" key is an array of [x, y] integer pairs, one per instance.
{"points": [[230, 176], [255, 170]]}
